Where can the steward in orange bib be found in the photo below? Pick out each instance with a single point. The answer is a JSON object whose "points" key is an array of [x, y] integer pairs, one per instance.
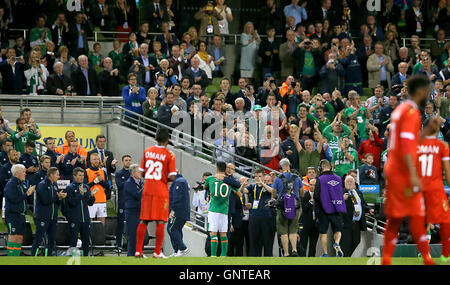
{"points": [[310, 174], [64, 149], [97, 181]]}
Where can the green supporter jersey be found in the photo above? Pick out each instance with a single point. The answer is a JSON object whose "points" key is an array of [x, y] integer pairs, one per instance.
{"points": [[19, 143], [322, 124], [360, 119], [219, 195], [333, 140], [342, 164]]}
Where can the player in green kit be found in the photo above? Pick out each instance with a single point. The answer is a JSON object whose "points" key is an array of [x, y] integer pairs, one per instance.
{"points": [[220, 187]]}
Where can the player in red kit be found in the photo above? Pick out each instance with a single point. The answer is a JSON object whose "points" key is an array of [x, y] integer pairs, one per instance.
{"points": [[159, 167], [403, 185], [432, 159]]}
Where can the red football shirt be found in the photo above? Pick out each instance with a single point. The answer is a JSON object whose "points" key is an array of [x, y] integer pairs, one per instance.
{"points": [[157, 164], [430, 154]]}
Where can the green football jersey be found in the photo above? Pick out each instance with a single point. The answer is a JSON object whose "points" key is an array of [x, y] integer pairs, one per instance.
{"points": [[219, 195]]}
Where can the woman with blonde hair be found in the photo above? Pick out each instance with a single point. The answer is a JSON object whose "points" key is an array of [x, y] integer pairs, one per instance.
{"points": [[250, 41], [151, 105], [69, 63], [391, 45], [206, 60], [192, 31], [36, 75]]}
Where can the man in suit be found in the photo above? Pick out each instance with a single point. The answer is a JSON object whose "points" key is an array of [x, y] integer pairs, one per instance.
{"points": [[354, 219], [401, 75], [110, 79], [85, 79], [177, 62], [309, 231], [286, 54], [78, 33], [324, 12], [380, 68], [60, 31], [415, 19], [217, 50], [107, 161], [196, 74], [363, 53], [158, 13], [58, 83], [12, 71], [145, 67], [403, 57], [102, 16]]}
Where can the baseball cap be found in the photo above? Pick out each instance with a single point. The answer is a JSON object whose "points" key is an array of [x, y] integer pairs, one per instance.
{"points": [[257, 108]]}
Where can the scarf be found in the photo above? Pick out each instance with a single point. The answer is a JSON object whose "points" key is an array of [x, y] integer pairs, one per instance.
{"points": [[357, 205], [203, 55]]}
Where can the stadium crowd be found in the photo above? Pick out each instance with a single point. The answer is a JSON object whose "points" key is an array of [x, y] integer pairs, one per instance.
{"points": [[298, 96]]}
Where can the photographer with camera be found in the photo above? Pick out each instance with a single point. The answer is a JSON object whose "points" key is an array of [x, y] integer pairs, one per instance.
{"points": [[36, 75], [288, 188], [199, 201], [308, 59], [329, 204], [209, 20], [332, 74]]}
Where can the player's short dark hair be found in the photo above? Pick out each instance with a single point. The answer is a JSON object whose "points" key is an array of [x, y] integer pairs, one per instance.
{"points": [[259, 170], [162, 135], [131, 74], [19, 119], [125, 156], [417, 82], [6, 140], [207, 173], [77, 170], [30, 144], [320, 108], [48, 139], [352, 171], [101, 136], [221, 166], [44, 157], [24, 110], [51, 170]]}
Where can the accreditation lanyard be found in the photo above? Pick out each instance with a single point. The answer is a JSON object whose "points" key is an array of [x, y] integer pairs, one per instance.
{"points": [[203, 207], [256, 202], [244, 209]]}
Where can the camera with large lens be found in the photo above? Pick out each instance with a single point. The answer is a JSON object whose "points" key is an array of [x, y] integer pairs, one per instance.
{"points": [[198, 186], [273, 203]]}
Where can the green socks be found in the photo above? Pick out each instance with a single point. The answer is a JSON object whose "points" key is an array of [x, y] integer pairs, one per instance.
{"points": [[13, 249], [214, 245], [224, 245]]}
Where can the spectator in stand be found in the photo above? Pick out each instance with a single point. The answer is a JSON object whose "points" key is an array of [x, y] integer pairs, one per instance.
{"points": [[209, 20], [206, 60], [373, 145], [308, 156], [72, 160], [117, 56], [385, 114], [355, 110], [390, 13], [380, 68], [133, 95], [345, 158], [49, 58], [151, 105], [142, 36], [271, 15], [40, 34], [226, 143], [12, 71], [335, 132], [300, 29], [308, 63], [325, 12], [177, 100], [429, 70], [246, 148], [60, 31], [391, 46], [159, 85], [269, 149], [124, 17], [144, 67], [250, 41], [376, 103], [375, 30], [217, 50], [130, 49], [354, 219], [69, 63], [298, 12], [79, 31], [403, 57], [167, 40], [95, 57], [196, 74], [415, 19], [227, 16], [109, 78], [368, 173], [36, 75], [168, 113], [178, 63], [163, 69], [401, 75], [196, 93], [309, 232], [306, 126], [287, 55], [158, 13], [102, 16], [269, 52], [85, 79], [171, 17], [21, 46], [332, 74]]}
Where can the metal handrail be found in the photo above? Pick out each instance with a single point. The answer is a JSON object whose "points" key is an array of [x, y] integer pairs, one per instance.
{"points": [[145, 125]]}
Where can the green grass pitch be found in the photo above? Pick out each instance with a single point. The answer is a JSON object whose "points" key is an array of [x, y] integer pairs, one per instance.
{"points": [[204, 261]]}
